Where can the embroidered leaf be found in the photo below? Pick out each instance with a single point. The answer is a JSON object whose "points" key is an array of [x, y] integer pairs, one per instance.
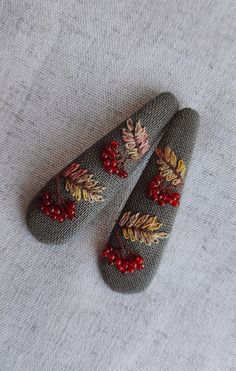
{"points": [[81, 185], [136, 140], [141, 228], [171, 168]]}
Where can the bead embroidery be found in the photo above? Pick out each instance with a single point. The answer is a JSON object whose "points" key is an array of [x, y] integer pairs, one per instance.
{"points": [[123, 258], [54, 205], [80, 184], [113, 160], [136, 142], [136, 228], [162, 188]]}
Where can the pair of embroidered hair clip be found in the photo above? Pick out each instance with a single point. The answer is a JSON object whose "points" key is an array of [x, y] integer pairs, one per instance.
{"points": [[80, 191]]}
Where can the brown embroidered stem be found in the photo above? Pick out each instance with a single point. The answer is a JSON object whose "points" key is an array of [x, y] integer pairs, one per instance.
{"points": [[180, 180], [59, 197], [124, 259], [113, 159], [58, 184], [124, 250], [122, 160], [55, 206], [121, 243]]}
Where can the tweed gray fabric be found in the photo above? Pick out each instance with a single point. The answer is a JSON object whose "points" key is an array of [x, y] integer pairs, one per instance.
{"points": [[180, 135], [154, 116]]}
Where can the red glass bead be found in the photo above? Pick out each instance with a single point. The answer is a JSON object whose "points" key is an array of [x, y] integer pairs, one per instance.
{"points": [[57, 211], [162, 202], [112, 159], [104, 253], [118, 262], [46, 195], [113, 169], [107, 163], [122, 269], [71, 205], [130, 269], [104, 155], [114, 163], [139, 259], [114, 144], [174, 203], [112, 155], [175, 195], [123, 174]]}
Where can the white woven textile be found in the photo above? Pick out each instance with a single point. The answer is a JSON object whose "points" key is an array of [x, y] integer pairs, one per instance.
{"points": [[69, 72]]}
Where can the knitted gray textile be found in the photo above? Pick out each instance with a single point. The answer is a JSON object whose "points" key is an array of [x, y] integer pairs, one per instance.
{"points": [[154, 116], [180, 135]]}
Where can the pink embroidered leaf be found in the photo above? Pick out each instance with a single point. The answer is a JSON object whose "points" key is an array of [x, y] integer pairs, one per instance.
{"points": [[136, 139]]}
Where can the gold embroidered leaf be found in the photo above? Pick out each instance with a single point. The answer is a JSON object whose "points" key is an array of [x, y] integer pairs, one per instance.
{"points": [[136, 140], [81, 185], [125, 218], [172, 169], [144, 228]]}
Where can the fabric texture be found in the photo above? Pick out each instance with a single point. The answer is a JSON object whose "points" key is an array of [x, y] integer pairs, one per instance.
{"points": [[154, 116], [70, 72], [180, 136]]}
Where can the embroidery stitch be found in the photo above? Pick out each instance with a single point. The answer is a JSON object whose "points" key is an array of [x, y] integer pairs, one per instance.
{"points": [[141, 228], [81, 185], [113, 160], [54, 205], [162, 188], [161, 193], [136, 228], [123, 258], [136, 140], [170, 167]]}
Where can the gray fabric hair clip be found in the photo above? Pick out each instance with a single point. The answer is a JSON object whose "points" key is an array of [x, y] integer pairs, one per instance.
{"points": [[82, 189], [131, 257]]}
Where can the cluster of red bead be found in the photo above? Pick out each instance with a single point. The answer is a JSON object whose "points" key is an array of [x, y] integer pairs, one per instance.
{"points": [[161, 194], [56, 207], [125, 264], [113, 161]]}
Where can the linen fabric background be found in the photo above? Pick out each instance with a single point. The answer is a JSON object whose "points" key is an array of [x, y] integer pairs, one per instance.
{"points": [[70, 72]]}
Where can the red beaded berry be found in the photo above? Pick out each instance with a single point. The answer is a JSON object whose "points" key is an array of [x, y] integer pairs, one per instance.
{"points": [[124, 263], [57, 208], [162, 194], [171, 173], [112, 159], [125, 260]]}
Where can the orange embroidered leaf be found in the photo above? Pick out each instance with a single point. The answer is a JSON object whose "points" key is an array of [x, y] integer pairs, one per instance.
{"points": [[141, 228], [172, 169], [81, 185], [136, 140]]}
